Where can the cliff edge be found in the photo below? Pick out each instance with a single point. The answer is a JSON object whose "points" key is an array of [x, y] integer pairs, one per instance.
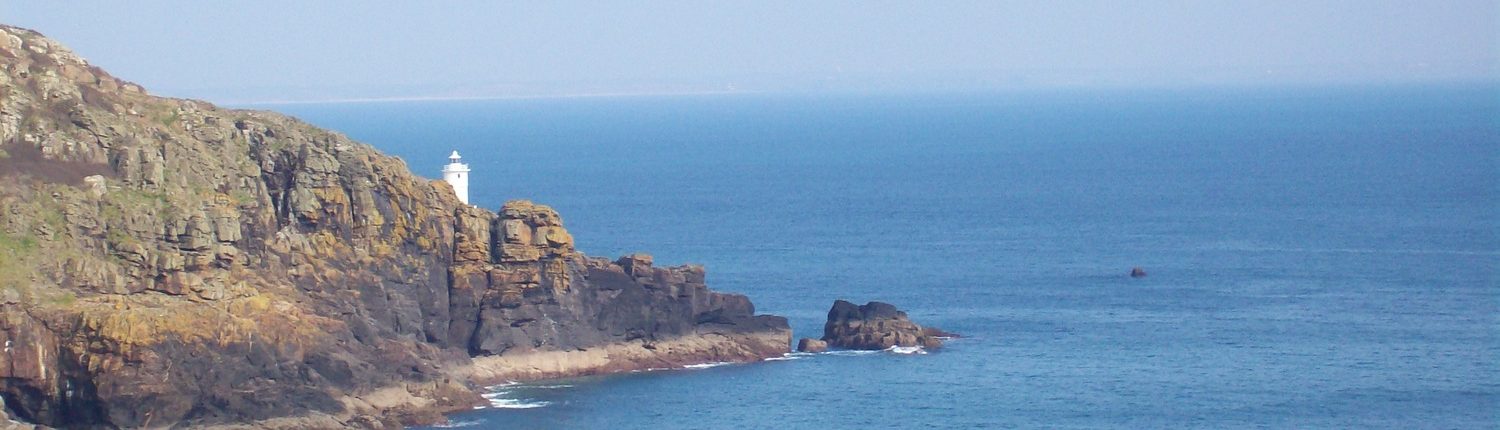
{"points": [[169, 263]]}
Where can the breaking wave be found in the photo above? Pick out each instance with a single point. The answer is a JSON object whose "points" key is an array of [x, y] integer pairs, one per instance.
{"points": [[457, 423], [906, 350], [497, 387], [498, 399], [706, 365], [791, 356], [850, 352]]}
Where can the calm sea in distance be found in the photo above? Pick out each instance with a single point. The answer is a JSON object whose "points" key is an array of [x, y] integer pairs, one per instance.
{"points": [[1317, 257]]}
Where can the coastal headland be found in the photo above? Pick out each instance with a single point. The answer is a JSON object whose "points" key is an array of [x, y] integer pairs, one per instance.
{"points": [[170, 263]]}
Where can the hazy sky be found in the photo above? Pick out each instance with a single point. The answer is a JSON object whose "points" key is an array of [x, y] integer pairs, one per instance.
{"points": [[233, 51]]}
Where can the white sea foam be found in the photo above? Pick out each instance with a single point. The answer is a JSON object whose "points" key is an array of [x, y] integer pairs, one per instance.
{"points": [[503, 385], [848, 352], [785, 357], [516, 404], [457, 424], [499, 399], [906, 350], [706, 365]]}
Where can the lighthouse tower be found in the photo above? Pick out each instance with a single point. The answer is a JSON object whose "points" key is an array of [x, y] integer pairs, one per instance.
{"points": [[457, 175]]}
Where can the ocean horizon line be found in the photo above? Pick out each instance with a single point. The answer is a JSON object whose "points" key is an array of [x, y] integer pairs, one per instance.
{"points": [[478, 98], [1061, 89]]}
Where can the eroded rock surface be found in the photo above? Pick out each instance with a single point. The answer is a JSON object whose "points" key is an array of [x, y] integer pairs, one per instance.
{"points": [[811, 345], [168, 263], [876, 326]]}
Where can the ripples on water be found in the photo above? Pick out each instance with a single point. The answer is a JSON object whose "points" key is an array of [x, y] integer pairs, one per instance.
{"points": [[1317, 258]]}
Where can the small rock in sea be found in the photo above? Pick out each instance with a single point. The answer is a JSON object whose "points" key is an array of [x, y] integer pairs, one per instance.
{"points": [[876, 326], [811, 345], [939, 333], [1137, 272]]}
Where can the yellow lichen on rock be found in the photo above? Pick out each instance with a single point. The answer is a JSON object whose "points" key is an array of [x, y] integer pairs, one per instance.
{"points": [[532, 232]]}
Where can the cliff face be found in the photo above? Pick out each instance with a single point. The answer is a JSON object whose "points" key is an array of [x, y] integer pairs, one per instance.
{"points": [[167, 262]]}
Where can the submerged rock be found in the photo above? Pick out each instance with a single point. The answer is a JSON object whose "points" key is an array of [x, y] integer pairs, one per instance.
{"points": [[876, 326]]}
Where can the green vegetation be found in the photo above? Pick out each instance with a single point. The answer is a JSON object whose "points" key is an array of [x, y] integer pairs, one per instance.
{"points": [[118, 239], [240, 197], [15, 252], [52, 215], [62, 299], [168, 119], [12, 246], [121, 202], [122, 206]]}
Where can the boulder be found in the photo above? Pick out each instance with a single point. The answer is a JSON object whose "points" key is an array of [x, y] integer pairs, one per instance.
{"points": [[811, 345], [96, 185], [876, 326]]}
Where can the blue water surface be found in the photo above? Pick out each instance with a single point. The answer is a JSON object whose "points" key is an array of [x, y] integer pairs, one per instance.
{"points": [[1317, 257]]}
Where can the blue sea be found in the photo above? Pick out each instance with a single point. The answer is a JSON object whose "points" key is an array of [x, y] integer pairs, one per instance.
{"points": [[1317, 257]]}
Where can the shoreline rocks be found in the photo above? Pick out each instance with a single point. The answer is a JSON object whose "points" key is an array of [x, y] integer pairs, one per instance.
{"points": [[876, 326], [630, 356]]}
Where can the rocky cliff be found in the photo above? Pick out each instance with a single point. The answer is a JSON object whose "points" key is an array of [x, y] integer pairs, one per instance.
{"points": [[167, 262]]}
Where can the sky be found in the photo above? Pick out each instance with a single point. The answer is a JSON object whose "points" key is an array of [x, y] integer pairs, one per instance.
{"points": [[263, 51]]}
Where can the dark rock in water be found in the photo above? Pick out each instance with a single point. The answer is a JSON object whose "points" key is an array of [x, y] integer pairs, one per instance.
{"points": [[1137, 272], [938, 333], [811, 345], [876, 326]]}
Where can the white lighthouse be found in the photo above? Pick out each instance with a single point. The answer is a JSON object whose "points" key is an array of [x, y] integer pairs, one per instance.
{"points": [[457, 175]]}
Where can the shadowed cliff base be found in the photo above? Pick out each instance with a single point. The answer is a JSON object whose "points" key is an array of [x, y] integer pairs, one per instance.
{"points": [[168, 263]]}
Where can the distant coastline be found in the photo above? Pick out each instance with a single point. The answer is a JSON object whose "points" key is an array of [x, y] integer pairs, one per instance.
{"points": [[480, 98]]}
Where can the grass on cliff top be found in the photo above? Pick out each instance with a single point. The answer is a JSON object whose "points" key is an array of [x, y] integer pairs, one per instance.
{"points": [[62, 299], [15, 246], [118, 204], [14, 251], [17, 255]]}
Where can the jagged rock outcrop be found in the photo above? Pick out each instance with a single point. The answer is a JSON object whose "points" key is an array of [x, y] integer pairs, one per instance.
{"points": [[875, 326], [167, 263]]}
